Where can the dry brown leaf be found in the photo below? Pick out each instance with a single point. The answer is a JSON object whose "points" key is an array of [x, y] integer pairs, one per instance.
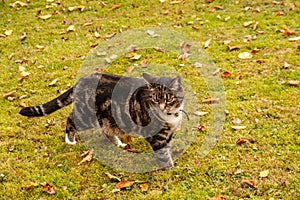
{"points": [[294, 83], [248, 182], [11, 93], [129, 69], [44, 17], [279, 13], [109, 36], [88, 157], [52, 83], [255, 50], [293, 6], [206, 43], [220, 197], [112, 177], [226, 74], [218, 7], [144, 187], [115, 6], [278, 3], [245, 55], [255, 26], [238, 127], [124, 184], [243, 140], [238, 171], [231, 48], [48, 188], [195, 27], [288, 31]]}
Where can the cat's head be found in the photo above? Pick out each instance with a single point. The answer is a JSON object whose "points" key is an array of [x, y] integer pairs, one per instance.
{"points": [[165, 93]]}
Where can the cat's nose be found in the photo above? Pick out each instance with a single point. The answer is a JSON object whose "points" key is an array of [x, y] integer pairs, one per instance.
{"points": [[162, 106]]}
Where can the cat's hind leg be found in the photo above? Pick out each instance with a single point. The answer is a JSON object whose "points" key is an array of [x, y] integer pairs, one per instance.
{"points": [[70, 130]]}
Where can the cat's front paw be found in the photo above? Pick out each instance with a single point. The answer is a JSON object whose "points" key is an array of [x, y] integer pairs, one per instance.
{"points": [[67, 140]]}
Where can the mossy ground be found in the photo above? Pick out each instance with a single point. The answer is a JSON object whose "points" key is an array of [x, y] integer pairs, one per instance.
{"points": [[269, 108]]}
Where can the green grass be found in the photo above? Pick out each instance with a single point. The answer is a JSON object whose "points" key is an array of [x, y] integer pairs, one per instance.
{"points": [[31, 152]]}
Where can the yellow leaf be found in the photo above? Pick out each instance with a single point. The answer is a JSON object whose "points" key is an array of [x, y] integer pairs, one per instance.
{"points": [[114, 7], [264, 174], [8, 32], [144, 187], [44, 17], [248, 23], [238, 127]]}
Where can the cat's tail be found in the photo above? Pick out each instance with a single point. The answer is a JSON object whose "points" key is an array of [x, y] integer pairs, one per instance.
{"points": [[49, 107]]}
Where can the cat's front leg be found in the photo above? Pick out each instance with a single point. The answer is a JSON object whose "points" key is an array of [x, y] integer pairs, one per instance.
{"points": [[164, 157]]}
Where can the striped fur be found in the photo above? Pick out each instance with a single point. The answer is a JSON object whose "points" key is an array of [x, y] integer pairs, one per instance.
{"points": [[149, 107]]}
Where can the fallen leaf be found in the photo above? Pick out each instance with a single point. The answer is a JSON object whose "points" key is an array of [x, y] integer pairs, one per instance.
{"points": [[71, 28], [206, 43], [288, 31], [201, 127], [129, 69], [88, 157], [208, 1], [8, 32], [238, 171], [226, 42], [279, 13], [293, 6], [88, 24], [209, 100], [40, 46], [226, 74], [200, 113], [175, 2], [115, 6], [23, 104], [264, 174], [255, 26], [112, 177], [152, 33], [294, 39], [238, 127], [25, 74], [294, 83], [286, 65], [52, 83], [226, 19], [217, 198], [236, 121], [73, 8], [255, 50], [124, 184], [248, 182], [231, 48], [277, 2], [23, 36], [186, 48], [248, 23], [44, 17], [109, 36], [18, 3], [144, 187], [144, 63], [9, 94], [134, 56], [245, 55], [243, 140], [48, 188], [31, 184]]}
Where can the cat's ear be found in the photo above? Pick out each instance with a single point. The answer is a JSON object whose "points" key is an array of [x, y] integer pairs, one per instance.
{"points": [[150, 79], [175, 83]]}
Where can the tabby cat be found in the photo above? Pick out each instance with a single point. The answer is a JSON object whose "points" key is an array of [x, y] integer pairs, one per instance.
{"points": [[150, 107]]}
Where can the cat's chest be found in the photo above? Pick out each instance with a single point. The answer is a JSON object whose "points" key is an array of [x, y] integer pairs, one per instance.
{"points": [[173, 120]]}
